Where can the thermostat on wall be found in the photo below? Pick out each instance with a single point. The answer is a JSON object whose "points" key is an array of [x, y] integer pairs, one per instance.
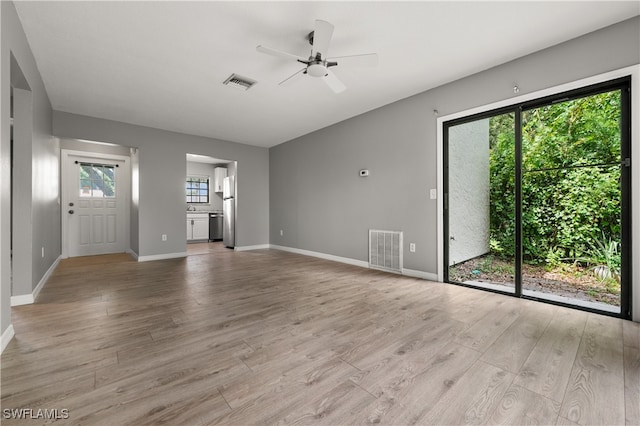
{"points": [[364, 173]]}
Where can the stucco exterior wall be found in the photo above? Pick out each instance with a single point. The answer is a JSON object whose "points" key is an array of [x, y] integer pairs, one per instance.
{"points": [[468, 190]]}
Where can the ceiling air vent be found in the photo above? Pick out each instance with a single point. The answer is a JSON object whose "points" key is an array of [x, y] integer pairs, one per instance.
{"points": [[239, 82]]}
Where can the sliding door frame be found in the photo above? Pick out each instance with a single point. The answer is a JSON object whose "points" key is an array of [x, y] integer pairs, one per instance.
{"points": [[445, 191], [622, 84], [625, 80]]}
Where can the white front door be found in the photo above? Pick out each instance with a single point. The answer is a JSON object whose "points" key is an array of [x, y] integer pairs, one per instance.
{"points": [[95, 197]]}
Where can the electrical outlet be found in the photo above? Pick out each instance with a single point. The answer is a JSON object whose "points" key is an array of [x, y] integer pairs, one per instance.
{"points": [[412, 247], [164, 237], [433, 194], [281, 233]]}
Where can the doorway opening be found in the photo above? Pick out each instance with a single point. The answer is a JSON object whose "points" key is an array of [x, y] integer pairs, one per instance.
{"points": [[96, 183], [210, 199], [538, 198]]}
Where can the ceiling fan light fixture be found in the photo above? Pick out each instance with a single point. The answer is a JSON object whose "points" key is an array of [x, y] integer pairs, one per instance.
{"points": [[317, 70]]}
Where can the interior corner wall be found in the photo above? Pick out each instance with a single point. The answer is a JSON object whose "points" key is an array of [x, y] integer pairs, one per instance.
{"points": [[162, 169], [44, 206], [320, 202]]}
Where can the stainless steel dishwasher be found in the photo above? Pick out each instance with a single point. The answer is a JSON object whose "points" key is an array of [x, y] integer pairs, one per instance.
{"points": [[215, 226]]}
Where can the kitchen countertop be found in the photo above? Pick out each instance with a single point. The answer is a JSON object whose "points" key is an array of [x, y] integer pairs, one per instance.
{"points": [[204, 211]]}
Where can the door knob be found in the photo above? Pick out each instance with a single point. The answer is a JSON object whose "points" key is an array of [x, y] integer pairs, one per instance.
{"points": [[70, 211]]}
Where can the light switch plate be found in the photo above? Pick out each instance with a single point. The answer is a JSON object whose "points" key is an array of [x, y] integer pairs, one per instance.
{"points": [[433, 194]]}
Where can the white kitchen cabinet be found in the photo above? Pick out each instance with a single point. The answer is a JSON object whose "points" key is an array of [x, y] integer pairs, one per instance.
{"points": [[201, 228], [197, 227], [219, 173]]}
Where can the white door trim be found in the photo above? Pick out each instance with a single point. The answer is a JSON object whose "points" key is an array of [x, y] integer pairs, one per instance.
{"points": [[634, 72], [64, 162]]}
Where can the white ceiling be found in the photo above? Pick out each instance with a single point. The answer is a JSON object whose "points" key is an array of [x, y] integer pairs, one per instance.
{"points": [[161, 64]]}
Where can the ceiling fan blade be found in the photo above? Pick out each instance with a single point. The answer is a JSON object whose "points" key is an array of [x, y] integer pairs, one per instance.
{"points": [[294, 77], [321, 38], [364, 60], [275, 52], [333, 82]]}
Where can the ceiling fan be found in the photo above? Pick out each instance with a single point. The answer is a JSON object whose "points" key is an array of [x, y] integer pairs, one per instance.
{"points": [[317, 65]]}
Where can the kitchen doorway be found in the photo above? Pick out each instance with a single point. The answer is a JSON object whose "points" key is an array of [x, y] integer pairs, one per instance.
{"points": [[210, 203], [537, 199]]}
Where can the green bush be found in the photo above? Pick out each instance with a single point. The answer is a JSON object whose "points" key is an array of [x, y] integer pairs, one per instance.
{"points": [[570, 201]]}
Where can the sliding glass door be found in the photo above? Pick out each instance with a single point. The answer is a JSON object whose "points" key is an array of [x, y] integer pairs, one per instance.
{"points": [[537, 199]]}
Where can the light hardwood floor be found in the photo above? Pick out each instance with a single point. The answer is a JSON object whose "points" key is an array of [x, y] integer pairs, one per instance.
{"points": [[268, 337]]}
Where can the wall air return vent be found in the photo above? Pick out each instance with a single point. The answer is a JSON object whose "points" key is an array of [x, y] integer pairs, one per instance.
{"points": [[239, 82], [385, 250]]}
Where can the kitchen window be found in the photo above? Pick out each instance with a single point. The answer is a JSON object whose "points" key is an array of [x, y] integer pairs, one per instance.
{"points": [[197, 190]]}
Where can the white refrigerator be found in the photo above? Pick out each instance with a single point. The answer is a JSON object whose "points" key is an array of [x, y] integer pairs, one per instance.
{"points": [[229, 212]]}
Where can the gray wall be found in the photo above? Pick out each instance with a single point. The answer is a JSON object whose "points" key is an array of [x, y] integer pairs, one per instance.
{"points": [[232, 169], [322, 205], [44, 208], [162, 169], [22, 244]]}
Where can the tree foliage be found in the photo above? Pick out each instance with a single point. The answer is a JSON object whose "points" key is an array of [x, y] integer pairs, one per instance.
{"points": [[571, 179]]}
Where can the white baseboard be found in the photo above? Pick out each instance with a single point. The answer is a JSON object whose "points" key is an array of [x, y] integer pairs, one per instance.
{"points": [[420, 274], [132, 254], [22, 299], [161, 256], [7, 335], [27, 299], [255, 247], [45, 277], [325, 256], [408, 272]]}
